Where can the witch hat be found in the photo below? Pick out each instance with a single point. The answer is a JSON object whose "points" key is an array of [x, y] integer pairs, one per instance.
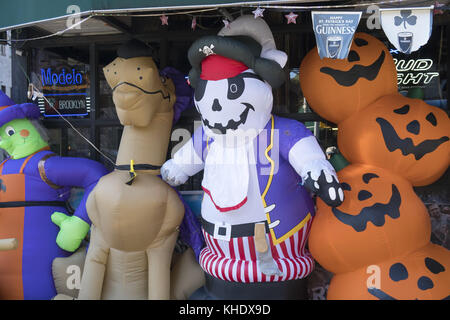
{"points": [[5, 101], [10, 111]]}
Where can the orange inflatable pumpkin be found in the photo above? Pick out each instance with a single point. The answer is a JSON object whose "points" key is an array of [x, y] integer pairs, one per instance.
{"points": [[394, 142], [422, 274], [406, 136], [336, 89], [381, 218]]}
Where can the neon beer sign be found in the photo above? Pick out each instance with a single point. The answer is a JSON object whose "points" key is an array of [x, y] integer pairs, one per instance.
{"points": [[414, 72], [66, 89], [50, 78]]}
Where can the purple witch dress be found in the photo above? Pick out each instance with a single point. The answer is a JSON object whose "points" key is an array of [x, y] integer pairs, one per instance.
{"points": [[31, 278]]}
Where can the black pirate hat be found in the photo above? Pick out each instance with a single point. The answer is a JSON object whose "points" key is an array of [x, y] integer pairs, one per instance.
{"points": [[248, 41]]}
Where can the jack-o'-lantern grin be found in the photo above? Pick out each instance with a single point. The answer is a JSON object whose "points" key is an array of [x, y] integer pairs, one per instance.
{"points": [[374, 213], [350, 77], [406, 146]]}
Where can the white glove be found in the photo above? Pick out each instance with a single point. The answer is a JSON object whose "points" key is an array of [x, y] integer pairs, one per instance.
{"points": [[172, 174], [321, 179], [315, 167]]}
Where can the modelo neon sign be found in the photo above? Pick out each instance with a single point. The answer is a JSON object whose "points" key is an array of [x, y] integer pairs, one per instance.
{"points": [[414, 72], [50, 78]]}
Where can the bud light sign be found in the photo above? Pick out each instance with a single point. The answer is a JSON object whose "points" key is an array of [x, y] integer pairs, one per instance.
{"points": [[334, 32], [66, 89]]}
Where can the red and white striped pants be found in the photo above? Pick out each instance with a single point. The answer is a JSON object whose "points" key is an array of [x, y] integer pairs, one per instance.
{"points": [[235, 260]]}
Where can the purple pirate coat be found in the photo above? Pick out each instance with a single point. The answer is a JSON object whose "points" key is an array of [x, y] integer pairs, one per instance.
{"points": [[289, 219]]}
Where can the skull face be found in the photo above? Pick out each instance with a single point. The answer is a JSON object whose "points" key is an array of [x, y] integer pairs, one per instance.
{"points": [[240, 105]]}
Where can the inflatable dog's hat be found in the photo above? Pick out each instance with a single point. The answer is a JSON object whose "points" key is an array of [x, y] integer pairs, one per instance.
{"points": [[246, 43], [134, 48]]}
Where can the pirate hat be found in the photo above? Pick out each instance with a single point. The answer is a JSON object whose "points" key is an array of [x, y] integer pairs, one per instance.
{"points": [[10, 111], [246, 43]]}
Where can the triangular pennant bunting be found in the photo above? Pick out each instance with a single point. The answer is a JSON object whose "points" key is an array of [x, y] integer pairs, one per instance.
{"points": [[407, 28], [334, 32]]}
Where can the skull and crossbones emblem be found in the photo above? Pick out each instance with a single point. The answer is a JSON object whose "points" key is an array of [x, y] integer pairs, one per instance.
{"points": [[207, 50]]}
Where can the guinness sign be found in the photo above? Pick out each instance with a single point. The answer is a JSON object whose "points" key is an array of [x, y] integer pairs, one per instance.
{"points": [[334, 32]]}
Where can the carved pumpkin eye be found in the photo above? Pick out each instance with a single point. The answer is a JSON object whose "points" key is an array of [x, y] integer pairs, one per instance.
{"points": [[413, 127], [353, 56], [346, 186], [364, 195], [402, 110], [361, 42], [431, 119], [369, 176]]}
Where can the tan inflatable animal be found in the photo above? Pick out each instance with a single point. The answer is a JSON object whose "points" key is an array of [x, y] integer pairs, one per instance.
{"points": [[135, 215]]}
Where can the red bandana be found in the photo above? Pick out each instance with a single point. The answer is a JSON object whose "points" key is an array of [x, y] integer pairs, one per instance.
{"points": [[215, 67]]}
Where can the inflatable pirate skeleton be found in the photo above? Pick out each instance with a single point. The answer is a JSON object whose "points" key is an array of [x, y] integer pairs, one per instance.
{"points": [[256, 214]]}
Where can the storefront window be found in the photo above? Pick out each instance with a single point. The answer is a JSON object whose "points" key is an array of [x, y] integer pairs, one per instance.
{"points": [[422, 74], [109, 143], [77, 145], [106, 109], [65, 83], [55, 136]]}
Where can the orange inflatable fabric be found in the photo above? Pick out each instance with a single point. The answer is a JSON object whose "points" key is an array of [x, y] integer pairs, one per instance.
{"points": [[350, 85], [377, 242], [403, 135]]}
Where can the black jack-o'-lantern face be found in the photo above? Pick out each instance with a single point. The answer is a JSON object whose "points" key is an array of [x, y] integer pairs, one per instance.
{"points": [[375, 213], [380, 217], [348, 78], [428, 274], [406, 145], [421, 274], [404, 135], [350, 84]]}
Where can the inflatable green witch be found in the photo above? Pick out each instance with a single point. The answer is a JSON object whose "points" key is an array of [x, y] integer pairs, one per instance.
{"points": [[34, 187]]}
